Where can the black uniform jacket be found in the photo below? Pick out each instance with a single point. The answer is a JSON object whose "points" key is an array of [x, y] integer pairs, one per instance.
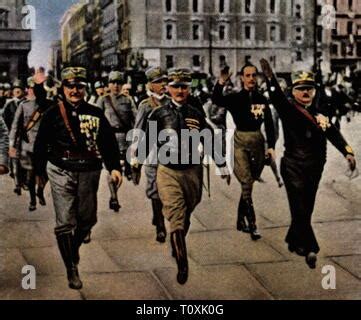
{"points": [[185, 117], [94, 137], [305, 137], [249, 110]]}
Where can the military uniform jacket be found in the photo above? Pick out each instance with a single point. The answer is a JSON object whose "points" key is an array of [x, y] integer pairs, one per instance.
{"points": [[95, 140], [145, 109], [4, 143], [305, 139], [123, 119], [249, 109], [23, 115], [9, 111], [174, 118]]}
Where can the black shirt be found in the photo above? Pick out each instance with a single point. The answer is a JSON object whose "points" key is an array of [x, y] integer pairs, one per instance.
{"points": [[249, 110], [95, 140], [305, 137]]}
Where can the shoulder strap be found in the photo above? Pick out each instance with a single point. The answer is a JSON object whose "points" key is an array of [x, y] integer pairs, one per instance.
{"points": [[109, 99], [66, 121], [307, 115], [34, 118]]}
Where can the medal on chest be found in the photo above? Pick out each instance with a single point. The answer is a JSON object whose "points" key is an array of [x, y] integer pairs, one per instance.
{"points": [[89, 126], [258, 110], [323, 121]]}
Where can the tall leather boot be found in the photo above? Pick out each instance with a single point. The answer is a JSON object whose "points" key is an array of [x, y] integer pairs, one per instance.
{"points": [[242, 211], [113, 202], [66, 246], [179, 244], [158, 220], [79, 238], [251, 218]]}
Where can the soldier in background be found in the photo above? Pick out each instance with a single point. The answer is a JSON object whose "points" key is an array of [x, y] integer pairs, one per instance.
{"points": [[8, 91], [156, 89], [23, 133], [120, 112], [99, 93], [9, 113], [2, 99], [4, 147]]}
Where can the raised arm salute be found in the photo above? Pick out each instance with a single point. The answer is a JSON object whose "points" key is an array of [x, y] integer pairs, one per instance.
{"points": [[249, 110], [306, 130]]}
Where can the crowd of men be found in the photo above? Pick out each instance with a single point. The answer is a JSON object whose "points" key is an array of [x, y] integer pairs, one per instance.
{"points": [[66, 131]]}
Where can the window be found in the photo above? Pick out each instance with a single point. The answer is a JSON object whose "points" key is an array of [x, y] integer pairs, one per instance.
{"points": [[168, 5], [272, 60], [222, 61], [195, 5], [169, 32], [169, 61], [319, 34], [358, 49], [350, 5], [222, 32], [299, 34], [334, 49], [299, 56], [349, 27], [4, 18], [196, 61], [221, 6], [272, 6], [272, 33], [334, 31], [196, 32], [247, 59], [298, 14], [247, 6], [247, 32]]}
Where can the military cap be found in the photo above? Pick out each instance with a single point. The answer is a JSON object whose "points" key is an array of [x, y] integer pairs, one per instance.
{"points": [[7, 86], [99, 84], [18, 84], [179, 77], [30, 82], [155, 74], [116, 76], [303, 79], [74, 75]]}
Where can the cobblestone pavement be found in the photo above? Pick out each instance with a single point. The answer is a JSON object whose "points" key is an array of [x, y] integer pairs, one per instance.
{"points": [[123, 260]]}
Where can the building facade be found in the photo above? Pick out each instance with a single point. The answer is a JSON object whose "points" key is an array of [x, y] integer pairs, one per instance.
{"points": [[345, 46], [208, 34], [15, 41]]}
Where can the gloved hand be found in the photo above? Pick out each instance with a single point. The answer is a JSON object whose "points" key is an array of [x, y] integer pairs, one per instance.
{"points": [[266, 68]]}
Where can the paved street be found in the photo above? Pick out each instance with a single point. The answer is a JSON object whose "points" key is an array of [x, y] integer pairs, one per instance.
{"points": [[123, 260]]}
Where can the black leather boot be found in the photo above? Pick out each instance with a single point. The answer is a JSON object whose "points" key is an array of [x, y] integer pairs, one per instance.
{"points": [[241, 222], [80, 237], [40, 195], [158, 220], [251, 218], [179, 244], [66, 246]]}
